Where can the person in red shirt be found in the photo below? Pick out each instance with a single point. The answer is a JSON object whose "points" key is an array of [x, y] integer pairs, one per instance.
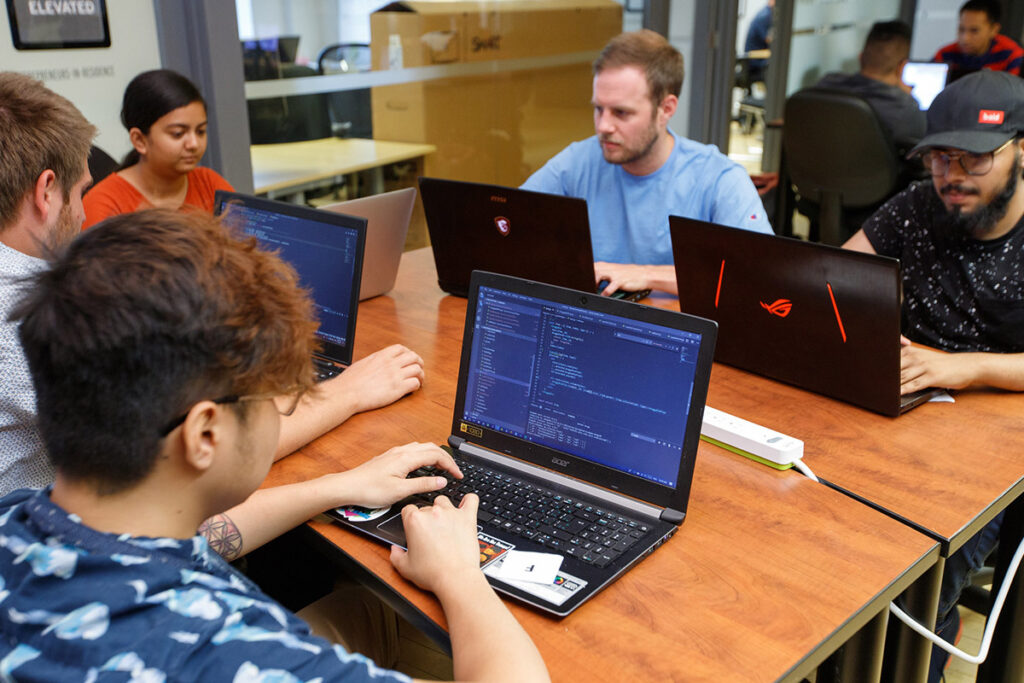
{"points": [[165, 116], [979, 44]]}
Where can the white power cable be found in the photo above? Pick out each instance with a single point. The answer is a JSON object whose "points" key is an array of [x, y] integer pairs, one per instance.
{"points": [[805, 470]]}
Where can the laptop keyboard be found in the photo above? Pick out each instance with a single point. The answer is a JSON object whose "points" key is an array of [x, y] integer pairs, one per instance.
{"points": [[572, 527], [325, 369]]}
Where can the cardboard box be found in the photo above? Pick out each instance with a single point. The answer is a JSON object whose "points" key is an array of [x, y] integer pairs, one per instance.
{"points": [[499, 127], [443, 32]]}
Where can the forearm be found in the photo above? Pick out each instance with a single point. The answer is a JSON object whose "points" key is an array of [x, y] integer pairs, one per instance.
{"points": [[488, 644], [314, 417], [663, 278], [999, 370], [265, 515]]}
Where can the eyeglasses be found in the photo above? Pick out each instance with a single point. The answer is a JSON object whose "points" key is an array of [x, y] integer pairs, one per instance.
{"points": [[972, 164], [285, 403]]}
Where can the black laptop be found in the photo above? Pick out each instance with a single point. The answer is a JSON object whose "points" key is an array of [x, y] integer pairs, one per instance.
{"points": [[532, 235], [325, 249], [823, 318], [577, 419]]}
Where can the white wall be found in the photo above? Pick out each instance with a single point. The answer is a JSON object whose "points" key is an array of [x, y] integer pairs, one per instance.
{"points": [[935, 24], [95, 78]]}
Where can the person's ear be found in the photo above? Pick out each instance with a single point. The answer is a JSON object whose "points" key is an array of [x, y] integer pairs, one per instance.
{"points": [[202, 434], [47, 195], [667, 108], [138, 140]]}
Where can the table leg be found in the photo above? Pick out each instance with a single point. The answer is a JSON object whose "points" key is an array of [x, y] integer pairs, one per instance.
{"points": [[920, 601], [1005, 661]]}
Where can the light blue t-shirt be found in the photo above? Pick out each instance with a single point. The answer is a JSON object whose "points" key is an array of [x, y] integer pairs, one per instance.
{"points": [[629, 214]]}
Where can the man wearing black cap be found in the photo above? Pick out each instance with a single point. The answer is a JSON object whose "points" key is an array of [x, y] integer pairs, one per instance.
{"points": [[960, 241]]}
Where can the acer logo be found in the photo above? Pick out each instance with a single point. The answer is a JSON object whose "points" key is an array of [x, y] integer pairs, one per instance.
{"points": [[560, 462], [991, 116], [503, 226], [779, 307]]}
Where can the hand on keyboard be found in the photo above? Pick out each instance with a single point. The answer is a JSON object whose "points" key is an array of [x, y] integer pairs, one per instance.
{"points": [[383, 480]]}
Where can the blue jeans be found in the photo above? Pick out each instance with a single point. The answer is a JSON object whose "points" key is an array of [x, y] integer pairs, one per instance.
{"points": [[957, 575]]}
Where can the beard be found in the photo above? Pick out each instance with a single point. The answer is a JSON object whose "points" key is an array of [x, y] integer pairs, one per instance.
{"points": [[65, 229], [629, 154], [980, 222]]}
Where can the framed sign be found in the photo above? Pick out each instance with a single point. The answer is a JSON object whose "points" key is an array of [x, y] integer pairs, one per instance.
{"points": [[58, 24]]}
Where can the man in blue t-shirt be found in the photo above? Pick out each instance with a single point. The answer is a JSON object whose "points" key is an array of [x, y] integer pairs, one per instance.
{"points": [[635, 172], [159, 400]]}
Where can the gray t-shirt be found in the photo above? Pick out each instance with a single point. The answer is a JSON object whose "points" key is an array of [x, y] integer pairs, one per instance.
{"points": [[23, 461]]}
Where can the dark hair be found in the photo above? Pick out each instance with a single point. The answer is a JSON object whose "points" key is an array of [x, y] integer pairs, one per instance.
{"points": [[39, 131], [650, 52], [991, 8], [139, 319], [887, 44], [151, 95]]}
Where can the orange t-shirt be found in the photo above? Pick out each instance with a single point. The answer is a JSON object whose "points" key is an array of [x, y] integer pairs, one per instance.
{"points": [[114, 195]]}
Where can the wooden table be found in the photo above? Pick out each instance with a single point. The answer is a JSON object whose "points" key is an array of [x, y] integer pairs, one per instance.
{"points": [[944, 468], [767, 576], [291, 168]]}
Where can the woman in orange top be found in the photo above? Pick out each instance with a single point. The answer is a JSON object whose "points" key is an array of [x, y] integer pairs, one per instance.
{"points": [[166, 120]]}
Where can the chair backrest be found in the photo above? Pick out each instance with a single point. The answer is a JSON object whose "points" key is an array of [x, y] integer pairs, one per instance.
{"points": [[349, 109], [101, 164], [835, 146]]}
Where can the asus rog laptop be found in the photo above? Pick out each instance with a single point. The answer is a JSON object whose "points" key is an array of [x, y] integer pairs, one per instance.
{"points": [[533, 235], [576, 421], [387, 217], [324, 248], [823, 318]]}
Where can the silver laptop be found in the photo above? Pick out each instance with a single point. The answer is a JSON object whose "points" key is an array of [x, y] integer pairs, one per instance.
{"points": [[387, 216]]}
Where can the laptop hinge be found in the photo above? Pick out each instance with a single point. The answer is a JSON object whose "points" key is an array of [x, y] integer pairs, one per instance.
{"points": [[611, 497], [672, 516]]}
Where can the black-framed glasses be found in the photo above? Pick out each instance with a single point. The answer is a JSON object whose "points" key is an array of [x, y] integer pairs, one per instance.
{"points": [[284, 402], [938, 163]]}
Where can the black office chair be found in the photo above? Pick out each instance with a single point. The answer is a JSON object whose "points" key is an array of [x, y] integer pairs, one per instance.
{"points": [[349, 109], [840, 160], [751, 109], [101, 164]]}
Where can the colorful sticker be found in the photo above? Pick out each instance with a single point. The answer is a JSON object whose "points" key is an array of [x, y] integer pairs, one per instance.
{"points": [[354, 513], [491, 548]]}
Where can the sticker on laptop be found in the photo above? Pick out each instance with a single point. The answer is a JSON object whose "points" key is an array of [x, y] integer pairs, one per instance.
{"points": [[557, 592], [522, 565], [491, 548], [355, 513]]}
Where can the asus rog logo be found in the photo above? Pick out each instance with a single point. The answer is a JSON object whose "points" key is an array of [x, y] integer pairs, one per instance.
{"points": [[560, 462], [503, 225], [779, 307]]}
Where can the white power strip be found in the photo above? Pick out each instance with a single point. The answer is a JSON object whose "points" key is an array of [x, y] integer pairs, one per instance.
{"points": [[748, 438]]}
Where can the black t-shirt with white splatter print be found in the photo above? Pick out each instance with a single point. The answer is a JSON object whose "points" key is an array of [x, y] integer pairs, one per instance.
{"points": [[959, 294]]}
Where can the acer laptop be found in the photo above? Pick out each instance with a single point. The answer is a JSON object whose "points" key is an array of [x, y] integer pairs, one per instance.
{"points": [[822, 318], [324, 248], [387, 217], [576, 421], [926, 79], [526, 234]]}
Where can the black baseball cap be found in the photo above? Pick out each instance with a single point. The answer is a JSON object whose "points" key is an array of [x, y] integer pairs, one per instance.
{"points": [[976, 113]]}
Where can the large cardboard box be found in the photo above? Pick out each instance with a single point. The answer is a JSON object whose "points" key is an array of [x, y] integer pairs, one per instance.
{"points": [[501, 126]]}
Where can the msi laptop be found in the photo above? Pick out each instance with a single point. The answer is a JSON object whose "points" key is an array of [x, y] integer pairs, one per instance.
{"points": [[324, 248], [823, 318], [387, 216], [926, 79], [526, 234], [576, 421]]}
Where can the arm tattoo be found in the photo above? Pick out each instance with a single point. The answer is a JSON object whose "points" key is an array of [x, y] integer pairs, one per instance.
{"points": [[223, 536]]}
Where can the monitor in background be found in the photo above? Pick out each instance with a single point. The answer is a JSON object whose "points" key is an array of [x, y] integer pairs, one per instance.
{"points": [[260, 59], [927, 79], [287, 48]]}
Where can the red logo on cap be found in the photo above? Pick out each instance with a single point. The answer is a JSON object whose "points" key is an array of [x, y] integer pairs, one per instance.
{"points": [[990, 116]]}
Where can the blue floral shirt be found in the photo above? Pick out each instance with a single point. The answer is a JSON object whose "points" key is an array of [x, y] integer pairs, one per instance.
{"points": [[78, 604]]}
